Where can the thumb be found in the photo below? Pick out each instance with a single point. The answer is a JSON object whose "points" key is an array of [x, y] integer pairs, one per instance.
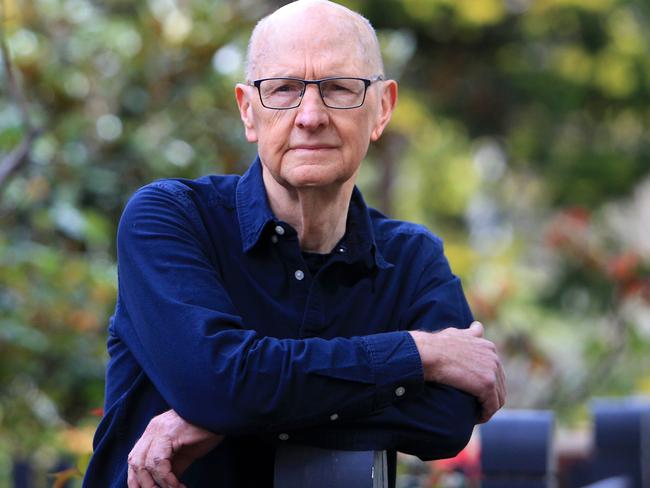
{"points": [[476, 329]]}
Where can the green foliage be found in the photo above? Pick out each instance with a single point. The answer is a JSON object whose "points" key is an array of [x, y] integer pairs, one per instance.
{"points": [[521, 136]]}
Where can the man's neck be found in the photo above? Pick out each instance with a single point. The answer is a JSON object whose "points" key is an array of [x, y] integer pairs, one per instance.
{"points": [[318, 214]]}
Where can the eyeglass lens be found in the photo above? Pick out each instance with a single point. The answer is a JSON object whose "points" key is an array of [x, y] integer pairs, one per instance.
{"points": [[336, 93]]}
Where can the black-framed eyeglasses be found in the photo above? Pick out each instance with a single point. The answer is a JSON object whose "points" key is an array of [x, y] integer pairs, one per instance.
{"points": [[337, 92]]}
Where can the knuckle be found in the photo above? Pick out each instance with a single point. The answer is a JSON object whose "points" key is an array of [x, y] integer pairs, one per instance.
{"points": [[489, 346], [489, 382], [496, 364]]}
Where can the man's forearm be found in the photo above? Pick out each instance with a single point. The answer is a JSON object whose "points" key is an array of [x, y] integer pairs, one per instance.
{"points": [[439, 421], [436, 424]]}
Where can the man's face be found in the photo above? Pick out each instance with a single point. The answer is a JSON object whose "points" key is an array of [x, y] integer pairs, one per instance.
{"points": [[312, 145]]}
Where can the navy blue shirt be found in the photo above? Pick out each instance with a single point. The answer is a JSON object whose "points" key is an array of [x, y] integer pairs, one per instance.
{"points": [[219, 317]]}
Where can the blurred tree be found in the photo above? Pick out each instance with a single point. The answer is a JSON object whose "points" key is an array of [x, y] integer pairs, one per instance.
{"points": [[521, 136]]}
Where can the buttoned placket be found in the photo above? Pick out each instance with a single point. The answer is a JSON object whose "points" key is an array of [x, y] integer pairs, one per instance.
{"points": [[303, 284], [279, 231], [306, 285], [315, 316]]}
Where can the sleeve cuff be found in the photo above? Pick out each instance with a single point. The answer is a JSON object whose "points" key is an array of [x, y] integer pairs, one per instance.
{"points": [[396, 365]]}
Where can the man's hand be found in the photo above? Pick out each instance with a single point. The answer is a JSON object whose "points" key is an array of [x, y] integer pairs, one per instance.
{"points": [[462, 358], [166, 449]]}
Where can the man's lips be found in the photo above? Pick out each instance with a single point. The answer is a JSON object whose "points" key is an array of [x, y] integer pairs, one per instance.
{"points": [[309, 147]]}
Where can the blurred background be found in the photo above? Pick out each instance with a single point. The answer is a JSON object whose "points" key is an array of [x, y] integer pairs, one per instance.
{"points": [[522, 137]]}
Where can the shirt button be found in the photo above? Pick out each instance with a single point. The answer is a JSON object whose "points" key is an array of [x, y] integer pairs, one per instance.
{"points": [[279, 230], [334, 416], [283, 437], [341, 250], [274, 239], [399, 391], [299, 275]]}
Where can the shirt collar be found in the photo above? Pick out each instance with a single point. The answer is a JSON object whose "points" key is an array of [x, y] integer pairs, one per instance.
{"points": [[359, 239], [253, 209], [254, 213]]}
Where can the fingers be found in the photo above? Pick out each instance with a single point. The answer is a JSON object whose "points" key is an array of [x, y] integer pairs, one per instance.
{"points": [[150, 464], [137, 480], [137, 475], [476, 328], [488, 408], [501, 385], [489, 394], [494, 399], [500, 381], [167, 447], [158, 463], [496, 396]]}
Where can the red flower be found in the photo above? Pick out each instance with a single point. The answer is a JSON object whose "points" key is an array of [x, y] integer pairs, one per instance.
{"points": [[624, 266]]}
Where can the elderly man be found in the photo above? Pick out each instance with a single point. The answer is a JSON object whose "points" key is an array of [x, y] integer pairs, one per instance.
{"points": [[276, 307]]}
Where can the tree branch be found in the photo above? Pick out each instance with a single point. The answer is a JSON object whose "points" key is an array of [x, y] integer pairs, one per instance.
{"points": [[18, 156], [14, 88]]}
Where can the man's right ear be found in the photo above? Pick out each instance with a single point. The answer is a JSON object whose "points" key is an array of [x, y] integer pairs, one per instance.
{"points": [[243, 94]]}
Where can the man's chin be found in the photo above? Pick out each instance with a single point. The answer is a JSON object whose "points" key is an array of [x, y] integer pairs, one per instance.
{"points": [[312, 175], [310, 183]]}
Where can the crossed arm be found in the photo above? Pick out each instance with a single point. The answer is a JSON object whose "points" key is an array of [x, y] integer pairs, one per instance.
{"points": [[459, 358]]}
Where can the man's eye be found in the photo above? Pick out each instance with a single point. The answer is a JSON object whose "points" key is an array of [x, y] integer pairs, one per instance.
{"points": [[339, 88], [285, 88]]}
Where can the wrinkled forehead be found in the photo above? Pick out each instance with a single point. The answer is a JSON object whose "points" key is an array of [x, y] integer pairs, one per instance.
{"points": [[321, 53], [321, 40]]}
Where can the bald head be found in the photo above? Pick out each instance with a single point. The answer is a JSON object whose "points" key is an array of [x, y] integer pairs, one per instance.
{"points": [[314, 20]]}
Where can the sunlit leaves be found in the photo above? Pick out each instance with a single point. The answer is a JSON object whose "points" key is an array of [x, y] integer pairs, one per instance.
{"points": [[515, 117], [465, 11]]}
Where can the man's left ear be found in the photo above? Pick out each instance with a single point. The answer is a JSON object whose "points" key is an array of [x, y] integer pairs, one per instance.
{"points": [[387, 105]]}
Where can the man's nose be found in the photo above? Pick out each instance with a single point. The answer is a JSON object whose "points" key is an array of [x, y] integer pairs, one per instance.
{"points": [[312, 112]]}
